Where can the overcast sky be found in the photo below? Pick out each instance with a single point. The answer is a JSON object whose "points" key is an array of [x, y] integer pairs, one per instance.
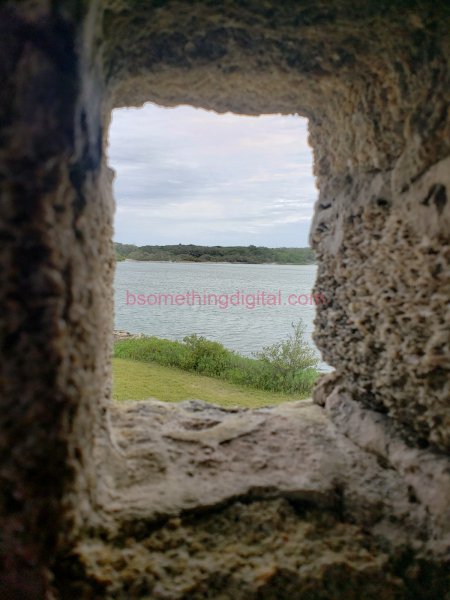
{"points": [[185, 175]]}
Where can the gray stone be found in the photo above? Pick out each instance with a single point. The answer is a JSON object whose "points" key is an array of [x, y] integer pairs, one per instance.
{"points": [[347, 500]]}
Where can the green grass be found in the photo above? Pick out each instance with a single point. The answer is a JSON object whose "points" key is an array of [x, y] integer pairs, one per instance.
{"points": [[135, 380]]}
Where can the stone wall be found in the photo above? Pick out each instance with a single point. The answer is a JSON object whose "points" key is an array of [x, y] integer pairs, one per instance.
{"points": [[55, 293], [99, 502]]}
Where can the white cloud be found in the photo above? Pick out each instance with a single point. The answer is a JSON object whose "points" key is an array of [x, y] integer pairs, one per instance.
{"points": [[189, 175]]}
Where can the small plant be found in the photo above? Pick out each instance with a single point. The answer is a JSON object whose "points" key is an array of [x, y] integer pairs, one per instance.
{"points": [[292, 362], [205, 356]]}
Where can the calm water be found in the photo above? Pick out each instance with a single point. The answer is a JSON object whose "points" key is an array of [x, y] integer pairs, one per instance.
{"points": [[243, 325]]}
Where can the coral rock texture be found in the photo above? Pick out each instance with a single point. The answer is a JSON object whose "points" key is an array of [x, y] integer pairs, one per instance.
{"points": [[344, 499], [204, 502]]}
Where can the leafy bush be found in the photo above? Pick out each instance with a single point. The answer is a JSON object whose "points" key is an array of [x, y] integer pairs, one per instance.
{"points": [[291, 362], [207, 357]]}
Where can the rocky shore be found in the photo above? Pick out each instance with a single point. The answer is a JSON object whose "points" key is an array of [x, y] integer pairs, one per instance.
{"points": [[120, 334]]}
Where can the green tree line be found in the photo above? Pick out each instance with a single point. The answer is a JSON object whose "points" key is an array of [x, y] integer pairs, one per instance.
{"points": [[232, 254]]}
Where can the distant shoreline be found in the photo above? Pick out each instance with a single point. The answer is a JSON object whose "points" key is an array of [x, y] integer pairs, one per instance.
{"points": [[220, 262], [193, 254]]}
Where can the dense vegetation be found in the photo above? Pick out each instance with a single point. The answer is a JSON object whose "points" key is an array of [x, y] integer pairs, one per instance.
{"points": [[288, 366], [233, 254]]}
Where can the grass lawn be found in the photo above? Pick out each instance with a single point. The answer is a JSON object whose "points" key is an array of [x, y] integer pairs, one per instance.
{"points": [[135, 380]]}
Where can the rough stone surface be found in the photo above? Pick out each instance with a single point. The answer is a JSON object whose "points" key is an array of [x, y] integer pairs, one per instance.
{"points": [[173, 458], [87, 510], [205, 502], [385, 269], [119, 335], [55, 285], [425, 472], [257, 549]]}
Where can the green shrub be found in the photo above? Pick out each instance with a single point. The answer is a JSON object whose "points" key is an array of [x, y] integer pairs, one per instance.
{"points": [[292, 354], [291, 362], [207, 357], [251, 372], [153, 349]]}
